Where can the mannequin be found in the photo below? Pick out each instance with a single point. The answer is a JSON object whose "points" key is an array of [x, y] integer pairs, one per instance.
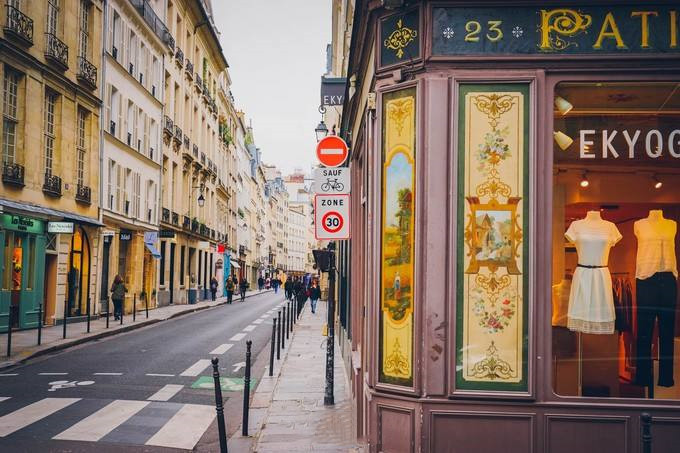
{"points": [[591, 299], [656, 276]]}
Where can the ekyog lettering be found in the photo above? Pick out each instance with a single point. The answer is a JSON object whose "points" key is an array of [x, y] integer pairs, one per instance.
{"points": [[653, 141]]}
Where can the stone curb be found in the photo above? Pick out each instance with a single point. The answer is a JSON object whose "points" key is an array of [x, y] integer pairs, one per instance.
{"points": [[108, 333]]}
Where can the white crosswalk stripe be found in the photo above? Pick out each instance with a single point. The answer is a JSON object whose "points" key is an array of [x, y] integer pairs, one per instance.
{"points": [[32, 413], [167, 392], [196, 368], [221, 349], [237, 337], [249, 328], [103, 421], [4, 398], [185, 428]]}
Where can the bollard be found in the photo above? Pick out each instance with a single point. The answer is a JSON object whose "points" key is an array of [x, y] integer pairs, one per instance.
{"points": [[219, 406], [9, 331], [65, 315], [108, 309], [134, 307], [288, 323], [283, 332], [88, 314], [646, 422], [246, 390], [146, 306], [40, 316], [271, 353], [122, 311], [278, 338]]}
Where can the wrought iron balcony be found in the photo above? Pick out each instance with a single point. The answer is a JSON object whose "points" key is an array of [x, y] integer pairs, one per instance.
{"points": [[56, 51], [194, 226], [165, 215], [169, 40], [179, 57], [178, 135], [206, 89], [13, 174], [199, 82], [187, 142], [156, 24], [83, 194], [52, 185], [175, 218], [203, 158], [19, 25], [195, 151], [186, 222], [168, 126], [189, 69], [204, 230], [87, 72]]}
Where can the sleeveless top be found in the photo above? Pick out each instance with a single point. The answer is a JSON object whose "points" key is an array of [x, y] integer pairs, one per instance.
{"points": [[656, 247]]}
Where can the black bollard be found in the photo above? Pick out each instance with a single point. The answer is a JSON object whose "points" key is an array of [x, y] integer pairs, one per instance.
{"points": [[122, 310], [283, 332], [219, 406], [646, 422], [246, 390], [278, 338], [146, 306], [88, 314], [108, 309], [9, 331], [288, 323], [271, 353], [134, 307], [40, 316], [65, 316]]}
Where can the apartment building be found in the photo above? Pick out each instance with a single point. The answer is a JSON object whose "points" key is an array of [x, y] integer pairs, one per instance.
{"points": [[50, 71]]}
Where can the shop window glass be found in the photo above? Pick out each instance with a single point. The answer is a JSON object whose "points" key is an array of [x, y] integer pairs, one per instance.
{"points": [[616, 204], [17, 263], [30, 264], [8, 264]]}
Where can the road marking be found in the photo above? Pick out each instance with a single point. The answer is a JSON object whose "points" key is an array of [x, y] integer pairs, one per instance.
{"points": [[196, 368], [108, 374], [160, 375], [165, 393], [52, 374], [4, 398], [237, 337], [103, 421], [185, 428], [258, 321], [221, 349], [249, 328], [30, 414], [9, 374]]}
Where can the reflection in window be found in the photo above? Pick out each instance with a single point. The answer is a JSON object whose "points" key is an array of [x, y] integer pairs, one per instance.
{"points": [[616, 205]]}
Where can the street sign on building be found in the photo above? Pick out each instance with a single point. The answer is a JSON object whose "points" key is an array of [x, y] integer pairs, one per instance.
{"points": [[332, 151], [331, 217], [330, 181]]}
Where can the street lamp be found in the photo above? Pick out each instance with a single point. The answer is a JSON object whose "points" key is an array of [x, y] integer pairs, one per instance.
{"points": [[321, 131], [201, 200]]}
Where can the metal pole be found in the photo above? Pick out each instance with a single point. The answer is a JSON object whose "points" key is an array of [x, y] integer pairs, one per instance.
{"points": [[328, 398], [146, 306], [289, 322], [88, 314], [646, 420], [246, 390], [65, 315], [271, 353], [219, 406], [108, 310], [9, 331], [278, 338], [122, 310], [40, 316], [283, 332], [134, 307]]}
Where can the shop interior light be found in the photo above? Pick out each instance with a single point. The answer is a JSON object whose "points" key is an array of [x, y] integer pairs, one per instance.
{"points": [[584, 180], [657, 182], [562, 105], [562, 140]]}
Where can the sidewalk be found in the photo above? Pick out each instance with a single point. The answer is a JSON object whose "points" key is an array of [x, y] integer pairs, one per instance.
{"points": [[287, 411], [24, 342]]}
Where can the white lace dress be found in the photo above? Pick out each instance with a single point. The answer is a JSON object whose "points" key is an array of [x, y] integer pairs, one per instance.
{"points": [[591, 298]]}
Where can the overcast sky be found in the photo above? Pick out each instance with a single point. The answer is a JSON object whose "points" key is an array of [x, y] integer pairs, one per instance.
{"points": [[276, 50]]}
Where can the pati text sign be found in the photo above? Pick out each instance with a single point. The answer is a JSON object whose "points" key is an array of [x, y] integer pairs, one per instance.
{"points": [[331, 217], [60, 227], [329, 181], [560, 30]]}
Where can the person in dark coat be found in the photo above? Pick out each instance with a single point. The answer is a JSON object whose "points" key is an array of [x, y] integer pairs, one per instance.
{"points": [[213, 288], [243, 286], [118, 291], [288, 288], [230, 289], [314, 295]]}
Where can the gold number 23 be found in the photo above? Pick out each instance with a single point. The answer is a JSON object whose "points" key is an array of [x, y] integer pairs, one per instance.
{"points": [[474, 28]]}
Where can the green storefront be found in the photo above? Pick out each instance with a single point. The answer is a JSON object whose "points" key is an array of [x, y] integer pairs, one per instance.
{"points": [[23, 268]]}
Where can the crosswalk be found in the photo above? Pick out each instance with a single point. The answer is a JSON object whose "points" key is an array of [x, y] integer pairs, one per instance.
{"points": [[153, 422]]}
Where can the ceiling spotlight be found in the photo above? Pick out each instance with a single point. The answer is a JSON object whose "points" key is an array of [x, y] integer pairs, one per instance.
{"points": [[657, 182], [562, 140], [563, 106], [584, 180]]}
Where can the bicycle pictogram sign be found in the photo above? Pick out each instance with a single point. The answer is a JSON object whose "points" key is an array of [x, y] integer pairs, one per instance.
{"points": [[330, 181]]}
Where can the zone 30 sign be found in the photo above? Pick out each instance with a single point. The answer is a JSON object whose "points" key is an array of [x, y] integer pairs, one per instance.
{"points": [[332, 217]]}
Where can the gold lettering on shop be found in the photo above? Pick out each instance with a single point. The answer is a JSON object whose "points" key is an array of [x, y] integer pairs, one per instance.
{"points": [[611, 31], [565, 22], [674, 29], [644, 25]]}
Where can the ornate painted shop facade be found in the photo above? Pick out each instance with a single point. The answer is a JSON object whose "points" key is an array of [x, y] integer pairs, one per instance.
{"points": [[510, 168]]}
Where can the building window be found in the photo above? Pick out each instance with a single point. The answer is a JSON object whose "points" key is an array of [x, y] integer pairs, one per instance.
{"points": [[52, 17], [81, 149], [9, 116], [84, 27], [49, 130], [136, 190], [117, 36], [111, 187], [616, 204]]}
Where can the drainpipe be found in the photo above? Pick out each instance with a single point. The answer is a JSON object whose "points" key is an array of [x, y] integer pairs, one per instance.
{"points": [[102, 125]]}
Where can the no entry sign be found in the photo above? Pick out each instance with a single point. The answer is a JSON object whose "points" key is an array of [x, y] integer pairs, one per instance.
{"points": [[332, 151], [331, 217]]}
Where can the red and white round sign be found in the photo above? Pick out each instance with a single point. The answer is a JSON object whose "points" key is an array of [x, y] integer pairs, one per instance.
{"points": [[332, 222], [332, 151]]}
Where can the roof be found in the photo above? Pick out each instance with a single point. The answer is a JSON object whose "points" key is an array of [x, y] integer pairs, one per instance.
{"points": [[49, 213]]}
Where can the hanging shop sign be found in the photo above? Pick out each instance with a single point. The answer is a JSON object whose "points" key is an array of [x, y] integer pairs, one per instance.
{"points": [[60, 227], [166, 234], [332, 151], [125, 235], [150, 237], [329, 181], [22, 223], [560, 30], [332, 90], [331, 217]]}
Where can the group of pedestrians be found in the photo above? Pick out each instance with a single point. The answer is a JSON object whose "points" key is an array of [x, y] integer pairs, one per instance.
{"points": [[268, 283], [296, 289], [232, 284]]}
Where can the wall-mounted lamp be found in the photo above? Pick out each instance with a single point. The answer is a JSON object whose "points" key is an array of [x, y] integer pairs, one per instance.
{"points": [[657, 182], [562, 105], [201, 200], [584, 180], [321, 131], [562, 140]]}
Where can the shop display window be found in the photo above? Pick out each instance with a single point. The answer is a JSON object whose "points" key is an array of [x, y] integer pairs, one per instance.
{"points": [[616, 205]]}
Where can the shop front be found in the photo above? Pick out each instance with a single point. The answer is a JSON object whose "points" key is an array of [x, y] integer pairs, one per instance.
{"points": [[523, 172]]}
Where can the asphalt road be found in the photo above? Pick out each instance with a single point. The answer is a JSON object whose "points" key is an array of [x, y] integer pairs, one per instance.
{"points": [[139, 391]]}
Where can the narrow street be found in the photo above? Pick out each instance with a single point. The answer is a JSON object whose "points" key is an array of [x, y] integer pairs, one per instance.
{"points": [[139, 388]]}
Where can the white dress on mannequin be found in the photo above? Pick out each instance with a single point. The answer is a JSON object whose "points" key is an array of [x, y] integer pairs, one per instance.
{"points": [[591, 298]]}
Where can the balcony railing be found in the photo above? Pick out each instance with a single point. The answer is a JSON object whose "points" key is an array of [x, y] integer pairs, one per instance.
{"points": [[175, 218], [199, 82], [83, 194], [52, 185], [156, 24], [187, 142], [203, 158], [179, 57], [195, 151], [13, 174], [186, 222], [194, 226], [189, 69], [56, 50], [19, 25], [87, 72], [165, 215], [168, 126], [178, 135]]}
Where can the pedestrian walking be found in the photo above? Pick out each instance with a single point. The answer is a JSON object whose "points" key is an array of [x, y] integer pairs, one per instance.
{"points": [[314, 295], [275, 283], [300, 293], [213, 288], [230, 290], [118, 291], [243, 286], [260, 283], [288, 289]]}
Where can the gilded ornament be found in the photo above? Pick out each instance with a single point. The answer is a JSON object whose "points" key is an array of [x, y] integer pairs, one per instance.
{"points": [[492, 366], [396, 363], [400, 38], [399, 111]]}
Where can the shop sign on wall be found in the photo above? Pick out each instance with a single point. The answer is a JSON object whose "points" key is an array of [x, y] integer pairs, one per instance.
{"points": [[22, 223], [559, 30], [60, 227]]}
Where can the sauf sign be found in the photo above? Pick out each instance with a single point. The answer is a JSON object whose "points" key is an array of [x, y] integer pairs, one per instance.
{"points": [[331, 184]]}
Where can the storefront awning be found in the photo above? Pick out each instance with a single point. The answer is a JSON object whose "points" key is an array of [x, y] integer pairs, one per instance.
{"points": [[154, 251], [48, 213], [234, 264]]}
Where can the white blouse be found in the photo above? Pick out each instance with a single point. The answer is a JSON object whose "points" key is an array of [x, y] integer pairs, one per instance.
{"points": [[656, 247]]}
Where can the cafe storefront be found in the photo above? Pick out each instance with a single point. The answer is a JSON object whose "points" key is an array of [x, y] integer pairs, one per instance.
{"points": [[522, 172]]}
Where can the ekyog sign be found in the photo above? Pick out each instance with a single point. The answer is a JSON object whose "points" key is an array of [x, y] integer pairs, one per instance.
{"points": [[624, 142], [332, 90]]}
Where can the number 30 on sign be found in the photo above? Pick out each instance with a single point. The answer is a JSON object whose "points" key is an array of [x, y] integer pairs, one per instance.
{"points": [[331, 217]]}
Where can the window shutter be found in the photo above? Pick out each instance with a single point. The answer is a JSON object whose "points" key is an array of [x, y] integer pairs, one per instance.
{"points": [[108, 117]]}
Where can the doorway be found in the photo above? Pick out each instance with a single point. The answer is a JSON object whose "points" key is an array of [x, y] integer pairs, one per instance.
{"points": [[104, 292]]}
